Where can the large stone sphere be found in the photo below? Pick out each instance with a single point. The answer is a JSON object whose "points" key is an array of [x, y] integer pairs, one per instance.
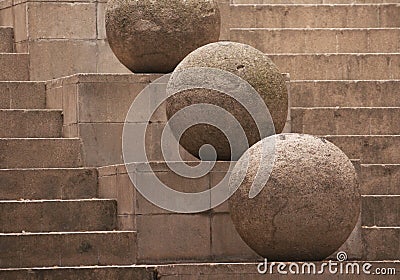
{"points": [[307, 208], [249, 64], [155, 35]]}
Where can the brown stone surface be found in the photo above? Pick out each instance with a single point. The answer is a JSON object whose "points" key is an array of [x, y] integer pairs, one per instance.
{"points": [[76, 21], [380, 179], [154, 36], [14, 67], [40, 152], [381, 243], [340, 40], [48, 183], [88, 273], [6, 39], [315, 16], [173, 238], [203, 271], [249, 64], [371, 149], [372, 66], [226, 243], [58, 215], [345, 93], [54, 58], [30, 123], [248, 271], [308, 207], [381, 210], [346, 121], [22, 95], [67, 249]]}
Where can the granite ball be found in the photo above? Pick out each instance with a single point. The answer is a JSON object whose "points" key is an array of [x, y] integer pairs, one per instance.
{"points": [[149, 36], [308, 207], [249, 64]]}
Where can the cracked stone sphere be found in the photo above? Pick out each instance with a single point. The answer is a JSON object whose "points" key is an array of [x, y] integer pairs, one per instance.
{"points": [[249, 64], [308, 207], [154, 36]]}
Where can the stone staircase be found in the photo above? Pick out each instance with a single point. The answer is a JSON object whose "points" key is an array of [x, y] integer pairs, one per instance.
{"points": [[50, 213], [344, 61]]}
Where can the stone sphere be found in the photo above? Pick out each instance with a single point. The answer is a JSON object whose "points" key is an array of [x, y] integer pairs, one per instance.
{"points": [[249, 64], [154, 36], [307, 208]]}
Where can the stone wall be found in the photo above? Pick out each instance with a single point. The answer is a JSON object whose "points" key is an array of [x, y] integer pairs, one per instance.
{"points": [[65, 37]]}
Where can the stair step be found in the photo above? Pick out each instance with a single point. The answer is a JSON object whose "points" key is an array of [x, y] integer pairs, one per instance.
{"points": [[48, 183], [40, 152], [132, 272], [14, 67], [22, 95], [321, 40], [381, 243], [345, 93], [369, 149], [30, 123], [67, 249], [190, 271], [339, 66], [6, 39], [381, 179], [381, 210], [346, 121], [58, 215], [312, 1], [315, 16]]}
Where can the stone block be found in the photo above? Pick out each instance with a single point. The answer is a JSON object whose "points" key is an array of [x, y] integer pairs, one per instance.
{"points": [[22, 95], [30, 123], [226, 244], [14, 67], [67, 249], [107, 62], [56, 58], [173, 238], [381, 211], [74, 20], [56, 215], [54, 152], [380, 179]]}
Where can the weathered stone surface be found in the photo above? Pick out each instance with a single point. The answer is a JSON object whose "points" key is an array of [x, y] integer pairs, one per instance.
{"points": [[52, 183], [22, 95], [315, 16], [6, 39], [335, 40], [249, 64], [307, 208], [67, 249], [369, 148], [347, 93], [380, 179], [40, 152], [173, 238], [154, 36], [346, 121], [14, 67], [88, 273], [30, 123], [360, 66], [58, 215]]}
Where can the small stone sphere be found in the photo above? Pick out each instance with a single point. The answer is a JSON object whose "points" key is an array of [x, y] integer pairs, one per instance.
{"points": [[307, 208], [249, 64], [153, 36]]}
